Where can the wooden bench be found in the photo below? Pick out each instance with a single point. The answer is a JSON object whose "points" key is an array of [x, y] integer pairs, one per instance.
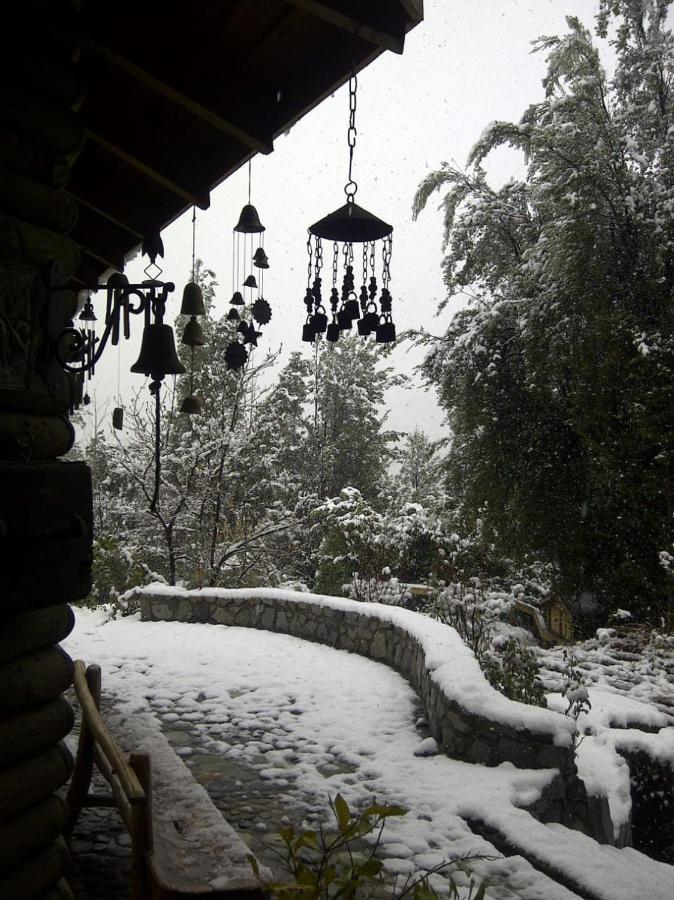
{"points": [[169, 859]]}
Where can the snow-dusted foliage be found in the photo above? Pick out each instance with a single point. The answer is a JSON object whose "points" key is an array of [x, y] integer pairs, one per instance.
{"points": [[558, 378]]}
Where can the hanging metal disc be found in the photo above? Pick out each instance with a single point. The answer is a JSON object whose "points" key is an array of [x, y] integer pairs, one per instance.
{"points": [[351, 224]]}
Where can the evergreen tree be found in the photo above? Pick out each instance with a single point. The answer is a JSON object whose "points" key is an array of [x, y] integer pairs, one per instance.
{"points": [[558, 376]]}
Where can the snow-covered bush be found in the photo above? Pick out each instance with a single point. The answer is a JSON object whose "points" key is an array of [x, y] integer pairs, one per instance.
{"points": [[116, 568], [511, 667]]}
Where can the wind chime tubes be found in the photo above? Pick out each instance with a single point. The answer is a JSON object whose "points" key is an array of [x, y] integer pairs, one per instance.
{"points": [[348, 226]]}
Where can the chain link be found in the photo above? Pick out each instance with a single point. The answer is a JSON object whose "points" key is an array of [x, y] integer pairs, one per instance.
{"points": [[386, 250], [335, 258], [310, 267], [351, 187], [319, 257]]}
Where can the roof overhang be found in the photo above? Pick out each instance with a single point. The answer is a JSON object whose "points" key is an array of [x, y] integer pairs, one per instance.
{"points": [[180, 95]]}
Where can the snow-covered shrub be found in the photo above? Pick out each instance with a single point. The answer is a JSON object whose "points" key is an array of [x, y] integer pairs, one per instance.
{"points": [[116, 569], [385, 589], [575, 691], [512, 668], [470, 611], [353, 542]]}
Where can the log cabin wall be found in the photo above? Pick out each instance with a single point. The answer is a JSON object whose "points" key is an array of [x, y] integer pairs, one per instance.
{"points": [[45, 504]]}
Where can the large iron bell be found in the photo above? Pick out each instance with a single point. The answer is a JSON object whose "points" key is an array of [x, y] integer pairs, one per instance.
{"points": [[193, 335], [249, 221], [191, 405], [158, 355], [193, 301]]}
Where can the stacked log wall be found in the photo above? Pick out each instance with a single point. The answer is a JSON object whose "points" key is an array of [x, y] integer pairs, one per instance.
{"points": [[45, 504]]}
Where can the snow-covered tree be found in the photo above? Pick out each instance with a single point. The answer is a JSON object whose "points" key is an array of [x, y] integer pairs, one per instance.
{"points": [[558, 376]]}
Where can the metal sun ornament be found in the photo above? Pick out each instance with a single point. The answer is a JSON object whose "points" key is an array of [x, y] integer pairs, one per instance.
{"points": [[247, 254], [346, 226]]}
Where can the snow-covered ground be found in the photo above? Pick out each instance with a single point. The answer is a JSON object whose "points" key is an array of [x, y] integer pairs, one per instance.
{"points": [[325, 721], [629, 675]]}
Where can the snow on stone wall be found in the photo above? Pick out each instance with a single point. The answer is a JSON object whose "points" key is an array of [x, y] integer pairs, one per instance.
{"points": [[469, 718]]}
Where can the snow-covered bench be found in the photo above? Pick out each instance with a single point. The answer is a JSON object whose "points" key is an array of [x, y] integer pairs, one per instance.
{"points": [[181, 845]]}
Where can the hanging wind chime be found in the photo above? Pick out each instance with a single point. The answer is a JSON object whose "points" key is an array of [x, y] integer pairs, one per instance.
{"points": [[193, 335], [248, 306], [349, 225]]}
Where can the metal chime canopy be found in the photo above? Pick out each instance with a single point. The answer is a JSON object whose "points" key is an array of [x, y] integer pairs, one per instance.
{"points": [[351, 224]]}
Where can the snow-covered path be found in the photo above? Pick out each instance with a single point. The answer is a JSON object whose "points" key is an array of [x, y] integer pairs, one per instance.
{"points": [[316, 721]]}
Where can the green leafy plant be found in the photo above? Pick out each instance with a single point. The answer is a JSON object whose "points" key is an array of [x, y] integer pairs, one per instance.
{"points": [[343, 863], [514, 672]]}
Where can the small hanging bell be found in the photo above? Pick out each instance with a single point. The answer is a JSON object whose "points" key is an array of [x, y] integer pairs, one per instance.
{"points": [[371, 321], [260, 259], [250, 282], [352, 308], [386, 332], [118, 418], [344, 320], [158, 355], [249, 221], [233, 316], [193, 335], [308, 332], [364, 327], [319, 322], [332, 333], [191, 405], [237, 299], [193, 301]]}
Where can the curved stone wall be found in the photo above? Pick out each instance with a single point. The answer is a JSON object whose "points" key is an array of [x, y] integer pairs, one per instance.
{"points": [[469, 719]]}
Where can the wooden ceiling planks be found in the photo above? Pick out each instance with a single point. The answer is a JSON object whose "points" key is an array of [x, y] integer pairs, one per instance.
{"points": [[179, 97]]}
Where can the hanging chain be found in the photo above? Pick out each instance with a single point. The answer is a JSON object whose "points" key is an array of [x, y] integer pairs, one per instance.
{"points": [[335, 257], [386, 256], [319, 258], [310, 266], [194, 243], [351, 187]]}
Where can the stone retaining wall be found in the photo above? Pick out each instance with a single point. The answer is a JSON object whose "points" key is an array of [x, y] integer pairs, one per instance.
{"points": [[460, 732]]}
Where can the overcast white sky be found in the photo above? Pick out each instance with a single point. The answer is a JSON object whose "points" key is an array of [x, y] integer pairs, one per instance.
{"points": [[467, 64]]}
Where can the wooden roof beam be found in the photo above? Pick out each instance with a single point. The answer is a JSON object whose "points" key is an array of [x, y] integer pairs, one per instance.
{"points": [[376, 36], [106, 215], [203, 201], [118, 266], [259, 144]]}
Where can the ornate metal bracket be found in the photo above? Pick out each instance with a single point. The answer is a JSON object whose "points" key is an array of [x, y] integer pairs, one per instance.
{"points": [[78, 350]]}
